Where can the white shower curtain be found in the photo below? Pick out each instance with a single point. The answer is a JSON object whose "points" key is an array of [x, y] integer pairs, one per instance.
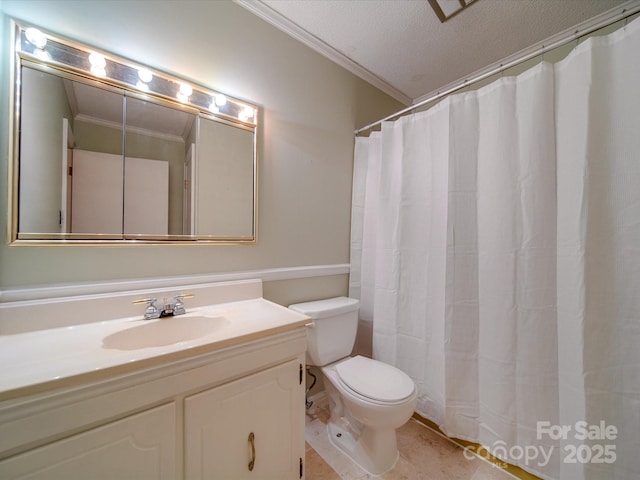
{"points": [[496, 249]]}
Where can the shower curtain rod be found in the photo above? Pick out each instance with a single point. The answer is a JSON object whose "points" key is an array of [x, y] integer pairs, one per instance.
{"points": [[581, 30]]}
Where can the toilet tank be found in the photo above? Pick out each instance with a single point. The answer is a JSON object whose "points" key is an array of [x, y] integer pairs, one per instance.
{"points": [[332, 334]]}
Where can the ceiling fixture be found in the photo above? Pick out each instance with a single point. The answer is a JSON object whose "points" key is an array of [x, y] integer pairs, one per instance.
{"points": [[445, 9]]}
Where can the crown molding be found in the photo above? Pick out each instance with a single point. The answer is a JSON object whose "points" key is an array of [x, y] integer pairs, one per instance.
{"points": [[269, 15]]}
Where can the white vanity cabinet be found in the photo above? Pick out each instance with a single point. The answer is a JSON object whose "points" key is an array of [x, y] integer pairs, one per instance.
{"points": [[138, 447], [188, 417], [247, 429]]}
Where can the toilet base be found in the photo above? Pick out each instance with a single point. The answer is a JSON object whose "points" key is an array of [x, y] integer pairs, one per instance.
{"points": [[374, 451]]}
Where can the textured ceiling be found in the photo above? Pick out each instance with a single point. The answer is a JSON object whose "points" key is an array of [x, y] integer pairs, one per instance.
{"points": [[405, 48]]}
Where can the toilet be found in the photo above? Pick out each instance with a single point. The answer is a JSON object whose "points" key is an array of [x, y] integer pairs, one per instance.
{"points": [[369, 399]]}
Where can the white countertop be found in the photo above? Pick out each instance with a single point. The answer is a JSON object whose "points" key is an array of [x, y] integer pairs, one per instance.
{"points": [[51, 358]]}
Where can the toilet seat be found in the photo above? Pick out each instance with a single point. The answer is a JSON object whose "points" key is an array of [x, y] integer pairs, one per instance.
{"points": [[375, 381]]}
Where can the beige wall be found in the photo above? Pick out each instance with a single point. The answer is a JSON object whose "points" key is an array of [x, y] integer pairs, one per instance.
{"points": [[310, 108]]}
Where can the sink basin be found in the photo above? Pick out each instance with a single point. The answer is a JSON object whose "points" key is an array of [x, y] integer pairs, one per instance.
{"points": [[163, 332]]}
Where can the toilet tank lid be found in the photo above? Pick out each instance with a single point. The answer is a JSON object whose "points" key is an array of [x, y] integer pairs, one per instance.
{"points": [[327, 307]]}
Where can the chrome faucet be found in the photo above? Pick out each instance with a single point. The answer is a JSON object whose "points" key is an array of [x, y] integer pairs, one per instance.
{"points": [[169, 308]]}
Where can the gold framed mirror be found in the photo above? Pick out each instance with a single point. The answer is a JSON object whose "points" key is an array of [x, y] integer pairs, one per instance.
{"points": [[107, 151]]}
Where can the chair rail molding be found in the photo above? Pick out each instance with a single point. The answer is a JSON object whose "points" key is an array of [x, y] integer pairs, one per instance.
{"points": [[49, 292]]}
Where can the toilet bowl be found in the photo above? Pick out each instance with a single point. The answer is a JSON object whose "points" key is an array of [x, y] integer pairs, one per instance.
{"points": [[369, 399], [366, 414]]}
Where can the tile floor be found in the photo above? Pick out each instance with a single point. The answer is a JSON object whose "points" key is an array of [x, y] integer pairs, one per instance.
{"points": [[424, 455]]}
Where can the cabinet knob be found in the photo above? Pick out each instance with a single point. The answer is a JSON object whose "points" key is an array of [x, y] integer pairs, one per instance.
{"points": [[253, 451]]}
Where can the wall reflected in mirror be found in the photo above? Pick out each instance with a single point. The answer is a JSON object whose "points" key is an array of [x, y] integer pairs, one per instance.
{"points": [[225, 159], [95, 160]]}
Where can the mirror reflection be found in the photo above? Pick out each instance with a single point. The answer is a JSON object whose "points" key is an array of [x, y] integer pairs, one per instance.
{"points": [[158, 140], [225, 161], [99, 161]]}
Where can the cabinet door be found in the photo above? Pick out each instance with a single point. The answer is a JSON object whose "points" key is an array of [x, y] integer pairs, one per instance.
{"points": [[259, 418], [138, 447]]}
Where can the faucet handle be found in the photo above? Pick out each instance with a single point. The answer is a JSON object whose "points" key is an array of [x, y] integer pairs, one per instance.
{"points": [[184, 295], [178, 307], [144, 300], [151, 311]]}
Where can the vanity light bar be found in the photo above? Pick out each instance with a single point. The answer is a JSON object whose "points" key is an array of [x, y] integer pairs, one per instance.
{"points": [[65, 54]]}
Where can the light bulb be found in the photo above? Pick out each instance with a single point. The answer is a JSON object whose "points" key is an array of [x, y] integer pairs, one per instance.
{"points": [[186, 90], [36, 38], [145, 75], [97, 60], [98, 71], [246, 114], [43, 55], [220, 99]]}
